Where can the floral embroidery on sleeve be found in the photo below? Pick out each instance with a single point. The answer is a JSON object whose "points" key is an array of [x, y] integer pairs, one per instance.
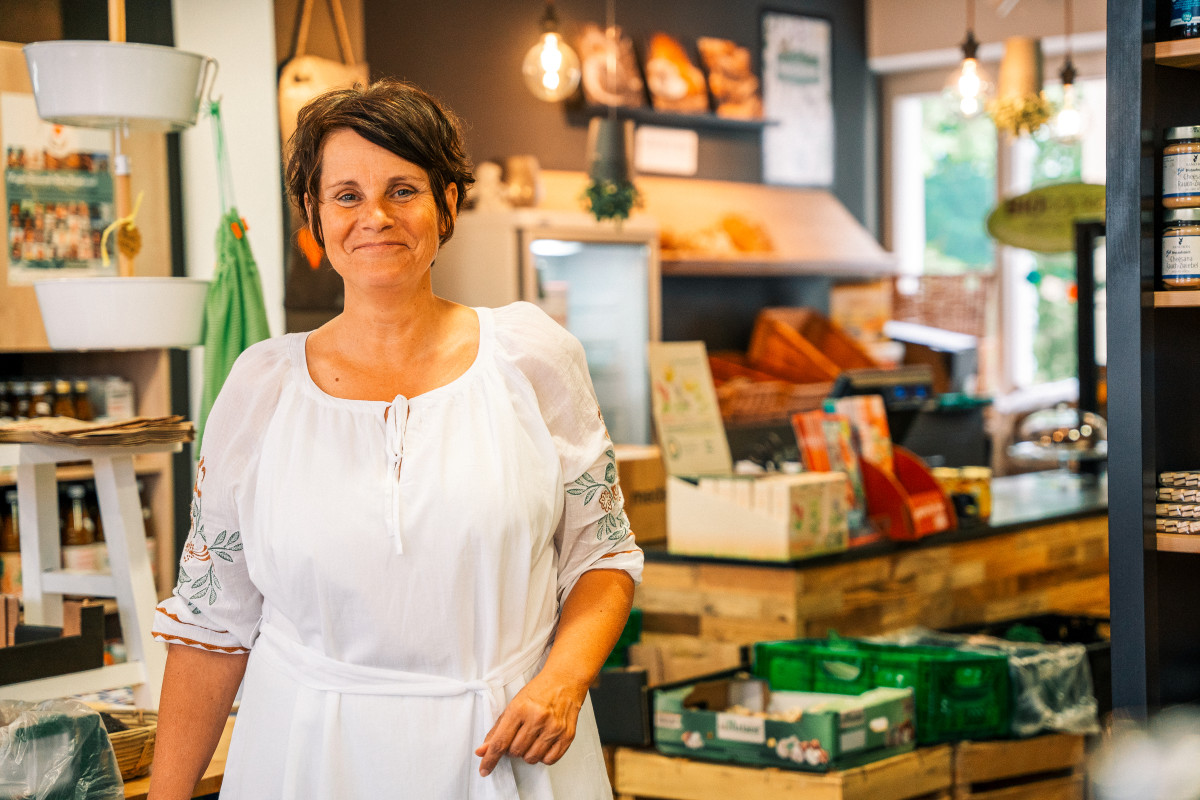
{"points": [[197, 576], [612, 526]]}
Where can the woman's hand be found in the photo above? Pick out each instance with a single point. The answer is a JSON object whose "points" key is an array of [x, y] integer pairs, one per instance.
{"points": [[537, 726]]}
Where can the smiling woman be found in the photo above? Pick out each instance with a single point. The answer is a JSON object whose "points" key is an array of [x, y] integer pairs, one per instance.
{"points": [[419, 599]]}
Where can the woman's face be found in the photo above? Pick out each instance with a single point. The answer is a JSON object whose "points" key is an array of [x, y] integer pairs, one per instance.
{"points": [[378, 214]]}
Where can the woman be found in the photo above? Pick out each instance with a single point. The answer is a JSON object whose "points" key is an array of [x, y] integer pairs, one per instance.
{"points": [[406, 529]]}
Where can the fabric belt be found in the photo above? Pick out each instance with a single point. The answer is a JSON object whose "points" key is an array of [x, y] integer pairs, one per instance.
{"points": [[324, 674]]}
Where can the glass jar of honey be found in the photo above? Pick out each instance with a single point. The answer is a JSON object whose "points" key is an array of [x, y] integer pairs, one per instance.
{"points": [[1181, 249], [1181, 167]]}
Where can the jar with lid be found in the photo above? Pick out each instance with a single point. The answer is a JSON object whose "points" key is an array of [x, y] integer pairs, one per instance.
{"points": [[10, 532], [10, 547], [83, 402], [1185, 19], [1181, 249], [78, 525], [20, 399], [64, 404], [40, 402], [7, 411], [1181, 167]]}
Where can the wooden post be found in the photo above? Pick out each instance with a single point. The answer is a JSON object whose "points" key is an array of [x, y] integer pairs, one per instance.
{"points": [[121, 179]]}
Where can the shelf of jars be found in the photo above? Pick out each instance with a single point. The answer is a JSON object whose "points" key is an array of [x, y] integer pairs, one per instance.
{"points": [[1178, 298], [1178, 543]]}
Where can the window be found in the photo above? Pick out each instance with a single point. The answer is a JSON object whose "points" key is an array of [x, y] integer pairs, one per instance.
{"points": [[948, 174]]}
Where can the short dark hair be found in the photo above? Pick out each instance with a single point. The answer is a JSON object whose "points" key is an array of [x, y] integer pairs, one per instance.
{"points": [[397, 116]]}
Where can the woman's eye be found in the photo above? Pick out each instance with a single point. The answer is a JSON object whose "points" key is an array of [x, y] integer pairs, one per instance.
{"points": [[347, 197], [404, 192]]}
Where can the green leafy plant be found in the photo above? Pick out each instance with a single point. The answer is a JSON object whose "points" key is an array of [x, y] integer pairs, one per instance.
{"points": [[1017, 114], [608, 199]]}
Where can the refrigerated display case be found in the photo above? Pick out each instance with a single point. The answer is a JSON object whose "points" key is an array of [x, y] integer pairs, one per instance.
{"points": [[600, 280]]}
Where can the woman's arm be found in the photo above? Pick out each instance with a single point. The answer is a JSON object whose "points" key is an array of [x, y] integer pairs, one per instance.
{"points": [[539, 723], [197, 694]]}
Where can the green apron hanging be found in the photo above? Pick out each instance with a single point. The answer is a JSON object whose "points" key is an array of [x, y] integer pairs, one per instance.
{"points": [[235, 316]]}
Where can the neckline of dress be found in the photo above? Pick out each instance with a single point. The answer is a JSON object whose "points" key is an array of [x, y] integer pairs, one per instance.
{"points": [[482, 351]]}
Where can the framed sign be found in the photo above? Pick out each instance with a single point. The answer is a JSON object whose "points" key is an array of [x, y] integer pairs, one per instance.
{"points": [[798, 99]]}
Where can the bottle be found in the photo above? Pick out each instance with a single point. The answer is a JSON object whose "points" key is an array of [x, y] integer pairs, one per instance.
{"points": [[78, 527], [93, 505], [1185, 19], [10, 532], [83, 402], [10, 547], [40, 402], [1181, 248], [147, 515], [64, 404]]}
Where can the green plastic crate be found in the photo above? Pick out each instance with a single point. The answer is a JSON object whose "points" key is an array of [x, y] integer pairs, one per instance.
{"points": [[959, 695]]}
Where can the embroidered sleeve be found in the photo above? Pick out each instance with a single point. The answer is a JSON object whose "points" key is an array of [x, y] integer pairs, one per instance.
{"points": [[595, 533], [214, 605]]}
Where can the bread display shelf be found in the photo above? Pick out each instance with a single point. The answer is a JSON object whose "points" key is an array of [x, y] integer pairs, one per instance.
{"points": [[649, 116], [763, 265]]}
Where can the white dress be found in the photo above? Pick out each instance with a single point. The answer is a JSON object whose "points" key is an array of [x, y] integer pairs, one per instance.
{"points": [[396, 570]]}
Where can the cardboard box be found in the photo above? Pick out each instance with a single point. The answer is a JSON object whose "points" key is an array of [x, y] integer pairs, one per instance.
{"points": [[734, 718], [643, 485], [706, 523]]}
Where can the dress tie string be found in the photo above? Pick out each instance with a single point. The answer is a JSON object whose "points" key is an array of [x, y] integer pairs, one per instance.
{"points": [[396, 423]]}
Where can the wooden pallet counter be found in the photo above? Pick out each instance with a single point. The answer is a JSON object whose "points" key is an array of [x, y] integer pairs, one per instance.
{"points": [[1045, 550], [1042, 768], [923, 774]]}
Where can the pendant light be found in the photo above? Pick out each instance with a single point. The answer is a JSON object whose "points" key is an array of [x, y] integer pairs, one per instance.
{"points": [[968, 87], [1068, 123], [610, 193], [551, 67]]}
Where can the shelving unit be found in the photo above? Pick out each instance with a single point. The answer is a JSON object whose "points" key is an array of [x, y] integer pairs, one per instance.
{"points": [[129, 582], [1154, 366], [24, 349]]}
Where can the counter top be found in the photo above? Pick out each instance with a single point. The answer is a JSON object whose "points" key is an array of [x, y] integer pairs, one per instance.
{"points": [[1018, 501]]}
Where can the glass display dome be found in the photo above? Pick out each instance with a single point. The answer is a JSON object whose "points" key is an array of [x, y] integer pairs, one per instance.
{"points": [[1063, 434]]}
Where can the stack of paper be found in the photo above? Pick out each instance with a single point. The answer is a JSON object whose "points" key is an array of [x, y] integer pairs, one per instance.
{"points": [[76, 433]]}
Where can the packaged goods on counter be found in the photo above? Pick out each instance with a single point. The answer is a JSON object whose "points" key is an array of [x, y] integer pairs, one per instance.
{"points": [[775, 517], [733, 717]]}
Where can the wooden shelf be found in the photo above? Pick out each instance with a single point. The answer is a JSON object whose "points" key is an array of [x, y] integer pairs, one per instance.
{"points": [[649, 116], [142, 465], [1181, 53], [1177, 298], [760, 265], [1178, 543]]}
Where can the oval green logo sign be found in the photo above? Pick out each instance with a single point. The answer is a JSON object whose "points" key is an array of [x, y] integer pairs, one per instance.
{"points": [[1044, 219]]}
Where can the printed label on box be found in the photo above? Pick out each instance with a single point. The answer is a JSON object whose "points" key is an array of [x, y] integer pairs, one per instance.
{"points": [[740, 728], [851, 719], [854, 740], [668, 722]]}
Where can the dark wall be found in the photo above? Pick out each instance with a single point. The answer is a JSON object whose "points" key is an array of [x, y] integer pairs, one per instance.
{"points": [[469, 52]]}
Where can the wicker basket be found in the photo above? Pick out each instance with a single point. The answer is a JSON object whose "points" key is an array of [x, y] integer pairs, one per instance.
{"points": [[747, 402], [134, 747]]}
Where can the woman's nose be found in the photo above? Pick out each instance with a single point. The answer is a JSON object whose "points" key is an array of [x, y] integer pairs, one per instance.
{"points": [[377, 215]]}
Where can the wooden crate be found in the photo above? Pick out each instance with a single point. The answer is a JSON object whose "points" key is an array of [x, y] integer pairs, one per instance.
{"points": [[1043, 768], [644, 774]]}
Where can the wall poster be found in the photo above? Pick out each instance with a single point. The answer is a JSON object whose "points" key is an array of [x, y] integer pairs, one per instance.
{"points": [[798, 98], [58, 194]]}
